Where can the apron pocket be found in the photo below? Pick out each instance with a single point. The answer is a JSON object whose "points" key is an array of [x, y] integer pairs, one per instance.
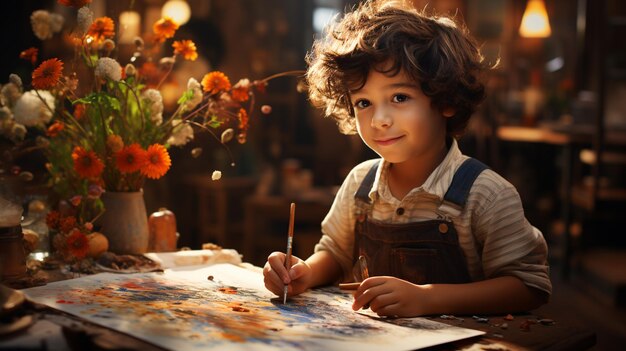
{"points": [[419, 266]]}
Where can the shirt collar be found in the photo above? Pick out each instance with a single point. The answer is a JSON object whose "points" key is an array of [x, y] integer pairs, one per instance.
{"points": [[437, 182]]}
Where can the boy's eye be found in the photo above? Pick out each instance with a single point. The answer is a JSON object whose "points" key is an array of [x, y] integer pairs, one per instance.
{"points": [[362, 103], [400, 98]]}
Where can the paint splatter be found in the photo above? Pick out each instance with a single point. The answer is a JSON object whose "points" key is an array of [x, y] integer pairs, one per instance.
{"points": [[66, 302], [228, 290], [237, 307]]}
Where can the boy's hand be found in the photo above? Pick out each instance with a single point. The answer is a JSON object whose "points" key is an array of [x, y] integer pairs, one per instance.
{"points": [[390, 296], [275, 275]]}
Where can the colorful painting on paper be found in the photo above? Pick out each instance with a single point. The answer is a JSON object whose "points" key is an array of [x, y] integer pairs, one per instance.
{"points": [[184, 310]]}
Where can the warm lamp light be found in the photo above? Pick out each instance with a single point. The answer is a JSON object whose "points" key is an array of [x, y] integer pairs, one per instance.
{"points": [[129, 23], [177, 10], [535, 23]]}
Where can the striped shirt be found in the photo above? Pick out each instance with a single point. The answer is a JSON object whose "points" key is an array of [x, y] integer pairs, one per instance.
{"points": [[493, 232]]}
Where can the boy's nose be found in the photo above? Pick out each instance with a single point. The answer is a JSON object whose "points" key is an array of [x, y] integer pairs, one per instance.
{"points": [[381, 118]]}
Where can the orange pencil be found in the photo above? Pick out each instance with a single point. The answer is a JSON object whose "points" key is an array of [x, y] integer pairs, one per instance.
{"points": [[349, 286]]}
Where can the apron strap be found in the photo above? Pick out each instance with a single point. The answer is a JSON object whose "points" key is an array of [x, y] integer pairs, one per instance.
{"points": [[455, 198], [366, 185], [363, 204]]}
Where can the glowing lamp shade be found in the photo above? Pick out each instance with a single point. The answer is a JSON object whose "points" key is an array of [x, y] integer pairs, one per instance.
{"points": [[177, 10], [535, 23], [130, 22]]}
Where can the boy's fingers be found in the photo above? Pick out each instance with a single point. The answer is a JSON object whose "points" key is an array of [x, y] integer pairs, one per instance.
{"points": [[276, 258], [388, 310], [359, 302], [297, 270], [364, 297], [277, 262], [368, 284], [273, 278], [381, 301]]}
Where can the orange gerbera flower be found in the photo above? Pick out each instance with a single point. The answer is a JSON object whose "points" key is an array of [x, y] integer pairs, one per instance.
{"points": [[157, 162], [55, 128], [74, 3], [165, 28], [30, 54], [78, 244], [243, 119], [186, 48], [86, 163], [101, 29], [79, 111], [47, 75], [67, 223], [214, 82], [240, 94], [130, 159]]}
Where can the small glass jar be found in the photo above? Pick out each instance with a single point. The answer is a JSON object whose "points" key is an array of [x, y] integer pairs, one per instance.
{"points": [[12, 257]]}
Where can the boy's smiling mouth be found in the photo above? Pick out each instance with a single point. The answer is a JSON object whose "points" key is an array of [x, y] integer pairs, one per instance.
{"points": [[388, 141]]}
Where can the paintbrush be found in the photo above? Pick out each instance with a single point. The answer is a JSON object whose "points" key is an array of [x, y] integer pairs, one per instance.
{"points": [[292, 213]]}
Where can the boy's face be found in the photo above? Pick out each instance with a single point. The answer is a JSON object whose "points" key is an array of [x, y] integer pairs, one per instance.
{"points": [[396, 120]]}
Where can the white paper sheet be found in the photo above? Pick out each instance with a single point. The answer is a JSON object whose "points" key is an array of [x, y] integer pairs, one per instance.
{"points": [[184, 310]]}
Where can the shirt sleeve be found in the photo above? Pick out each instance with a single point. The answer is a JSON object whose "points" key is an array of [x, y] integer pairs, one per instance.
{"points": [[338, 226], [510, 244]]}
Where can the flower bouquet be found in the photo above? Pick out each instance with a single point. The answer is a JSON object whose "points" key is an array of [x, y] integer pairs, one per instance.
{"points": [[106, 127]]}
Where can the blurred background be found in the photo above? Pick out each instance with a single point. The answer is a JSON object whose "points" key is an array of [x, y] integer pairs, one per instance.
{"points": [[553, 124]]}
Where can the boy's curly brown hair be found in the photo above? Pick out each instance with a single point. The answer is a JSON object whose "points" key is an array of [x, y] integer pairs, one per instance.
{"points": [[433, 51]]}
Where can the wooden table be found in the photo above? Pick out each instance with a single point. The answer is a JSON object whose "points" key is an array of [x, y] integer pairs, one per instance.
{"points": [[524, 332]]}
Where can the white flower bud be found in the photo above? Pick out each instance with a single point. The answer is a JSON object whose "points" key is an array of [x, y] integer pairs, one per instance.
{"points": [[155, 103], [216, 175], [84, 18], [130, 70], [56, 22], [31, 110], [15, 79], [40, 22], [196, 88], [182, 133], [107, 67]]}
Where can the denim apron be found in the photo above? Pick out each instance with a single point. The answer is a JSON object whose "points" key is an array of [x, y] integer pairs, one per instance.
{"points": [[420, 252]]}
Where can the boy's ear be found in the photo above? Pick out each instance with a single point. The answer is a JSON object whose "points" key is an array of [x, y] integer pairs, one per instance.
{"points": [[448, 112]]}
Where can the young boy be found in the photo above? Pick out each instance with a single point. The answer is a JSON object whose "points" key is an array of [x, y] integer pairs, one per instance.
{"points": [[441, 233]]}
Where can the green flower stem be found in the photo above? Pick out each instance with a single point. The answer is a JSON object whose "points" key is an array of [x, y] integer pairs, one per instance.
{"points": [[139, 105], [104, 126], [166, 126], [282, 74], [123, 115], [198, 109], [201, 126], [77, 124], [166, 75]]}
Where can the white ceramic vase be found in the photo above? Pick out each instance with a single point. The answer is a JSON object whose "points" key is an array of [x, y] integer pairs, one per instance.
{"points": [[125, 222]]}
